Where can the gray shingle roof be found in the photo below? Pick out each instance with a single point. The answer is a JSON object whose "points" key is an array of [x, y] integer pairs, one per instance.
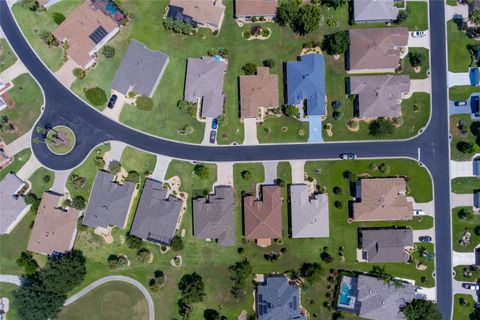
{"points": [[277, 299], [157, 214], [386, 245], [374, 10], [375, 299], [205, 80], [109, 202], [140, 70], [309, 214], [214, 218], [11, 206]]}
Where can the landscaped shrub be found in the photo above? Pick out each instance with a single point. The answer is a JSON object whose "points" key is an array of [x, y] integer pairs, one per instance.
{"points": [[114, 167], [144, 103], [333, 3], [336, 43], [467, 147], [465, 214], [79, 73], [416, 59], [133, 242], [79, 203], [177, 243], [310, 271], [96, 96], [144, 255], [49, 39], [157, 281], [58, 17], [46, 178], [99, 163], [30, 4], [255, 30], [380, 127], [384, 168], [133, 176], [402, 16], [337, 115], [337, 190], [291, 111], [201, 171], [27, 261], [177, 26], [338, 204], [188, 107], [281, 183], [265, 32], [336, 105], [270, 63], [108, 51], [249, 68], [246, 175]]}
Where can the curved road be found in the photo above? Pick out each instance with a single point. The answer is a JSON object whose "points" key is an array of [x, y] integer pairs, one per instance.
{"points": [[91, 128]]}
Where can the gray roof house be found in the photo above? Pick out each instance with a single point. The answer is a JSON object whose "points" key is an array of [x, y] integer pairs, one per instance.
{"points": [[140, 70], [157, 214], [109, 202], [204, 81], [374, 10], [386, 245], [278, 299], [372, 298], [379, 96], [309, 213], [12, 206], [213, 218]]}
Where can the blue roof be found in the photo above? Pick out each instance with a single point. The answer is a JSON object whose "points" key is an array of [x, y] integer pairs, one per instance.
{"points": [[476, 167], [306, 81]]}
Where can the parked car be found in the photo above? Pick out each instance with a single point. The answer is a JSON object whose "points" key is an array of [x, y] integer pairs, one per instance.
{"points": [[213, 135], [425, 239], [471, 286], [111, 101], [460, 103], [348, 156], [418, 34], [214, 123], [418, 212]]}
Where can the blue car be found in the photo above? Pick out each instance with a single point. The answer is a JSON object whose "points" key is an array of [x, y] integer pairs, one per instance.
{"points": [[214, 123]]}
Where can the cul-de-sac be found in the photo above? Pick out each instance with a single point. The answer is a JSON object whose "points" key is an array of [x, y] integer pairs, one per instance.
{"points": [[239, 159]]}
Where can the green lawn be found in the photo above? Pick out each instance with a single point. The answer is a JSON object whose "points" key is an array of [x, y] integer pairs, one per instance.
{"points": [[19, 160], [34, 24], [283, 129], [27, 99], [459, 58], [456, 93], [64, 144], [113, 300], [460, 277], [7, 56], [6, 290], [189, 182], [465, 184], [41, 180], [409, 70], [457, 136], [459, 226], [463, 312], [88, 170], [452, 2]]}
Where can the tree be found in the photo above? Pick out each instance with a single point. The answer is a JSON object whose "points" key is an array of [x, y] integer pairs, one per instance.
{"points": [[114, 167], [96, 96], [78, 202], [402, 16], [49, 38], [249, 68], [211, 314], [201, 171], [287, 12], [465, 214], [79, 73], [99, 162], [416, 59], [33, 200], [157, 281], [133, 176], [108, 51], [30, 4], [144, 103], [33, 302], [63, 273], [177, 243], [475, 16], [333, 3], [420, 309], [177, 26], [269, 63], [246, 175], [189, 107], [239, 272], [350, 176], [27, 262], [144, 255], [291, 111], [380, 127], [192, 288], [307, 19], [336, 43], [133, 242], [466, 147], [310, 271], [58, 17]]}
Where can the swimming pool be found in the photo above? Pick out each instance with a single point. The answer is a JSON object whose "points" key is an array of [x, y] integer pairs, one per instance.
{"points": [[345, 294]]}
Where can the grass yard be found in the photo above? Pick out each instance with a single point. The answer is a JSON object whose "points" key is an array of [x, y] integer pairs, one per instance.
{"points": [[88, 170], [60, 140], [33, 24], [41, 180], [452, 2], [27, 99], [113, 300], [457, 136], [459, 226], [417, 16], [465, 311], [460, 277], [189, 182], [409, 70], [456, 93], [283, 129], [465, 184], [19, 160], [6, 290], [459, 58], [7, 56]]}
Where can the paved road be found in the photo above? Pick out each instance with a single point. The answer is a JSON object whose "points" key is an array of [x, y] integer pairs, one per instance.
{"points": [[99, 282], [91, 129]]}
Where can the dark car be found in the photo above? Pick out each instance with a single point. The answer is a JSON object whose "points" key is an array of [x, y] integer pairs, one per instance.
{"points": [[213, 134], [111, 101], [461, 103], [425, 239], [214, 123]]}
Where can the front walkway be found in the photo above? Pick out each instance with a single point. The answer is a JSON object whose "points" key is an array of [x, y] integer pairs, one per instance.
{"points": [[461, 169], [315, 129], [18, 68], [250, 130], [463, 258]]}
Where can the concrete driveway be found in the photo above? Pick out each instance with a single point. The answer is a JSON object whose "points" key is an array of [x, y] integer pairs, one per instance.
{"points": [[161, 168], [65, 73], [224, 174], [60, 182], [206, 133], [19, 144], [270, 171], [420, 233], [14, 71], [115, 153], [461, 200], [427, 207], [461, 169], [250, 130], [423, 42], [458, 288], [298, 171], [463, 258], [453, 109], [458, 79], [456, 11], [315, 129]]}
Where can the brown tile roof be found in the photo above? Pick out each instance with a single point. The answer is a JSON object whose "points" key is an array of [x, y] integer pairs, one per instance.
{"points": [[54, 228], [263, 218], [204, 12], [260, 90], [255, 8], [77, 28], [377, 48], [382, 199]]}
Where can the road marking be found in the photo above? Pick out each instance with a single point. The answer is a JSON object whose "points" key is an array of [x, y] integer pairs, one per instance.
{"points": [[418, 156]]}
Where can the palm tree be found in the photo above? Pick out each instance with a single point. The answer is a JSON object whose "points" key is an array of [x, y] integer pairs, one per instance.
{"points": [[251, 316]]}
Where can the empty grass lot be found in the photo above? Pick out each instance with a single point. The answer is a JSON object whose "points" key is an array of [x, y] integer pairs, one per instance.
{"points": [[463, 312], [465, 184], [460, 225], [7, 57], [27, 100], [457, 136], [113, 300], [459, 58], [41, 180], [19, 160]]}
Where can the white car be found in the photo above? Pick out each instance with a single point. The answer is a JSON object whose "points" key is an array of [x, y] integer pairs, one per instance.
{"points": [[418, 212], [418, 34], [471, 286]]}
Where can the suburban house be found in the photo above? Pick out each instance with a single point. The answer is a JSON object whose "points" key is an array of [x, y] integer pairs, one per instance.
{"points": [[263, 218], [198, 13], [109, 202], [245, 10], [276, 298], [376, 50], [258, 92], [13, 207], [385, 245], [86, 30], [55, 228], [140, 70], [213, 217], [306, 84], [157, 214], [309, 213], [380, 199], [379, 96], [374, 10], [204, 82], [373, 298]]}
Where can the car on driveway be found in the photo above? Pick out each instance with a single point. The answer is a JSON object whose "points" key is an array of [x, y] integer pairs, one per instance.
{"points": [[214, 123], [348, 156], [471, 286], [461, 103], [418, 34], [213, 135], [111, 101], [418, 212], [425, 239]]}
